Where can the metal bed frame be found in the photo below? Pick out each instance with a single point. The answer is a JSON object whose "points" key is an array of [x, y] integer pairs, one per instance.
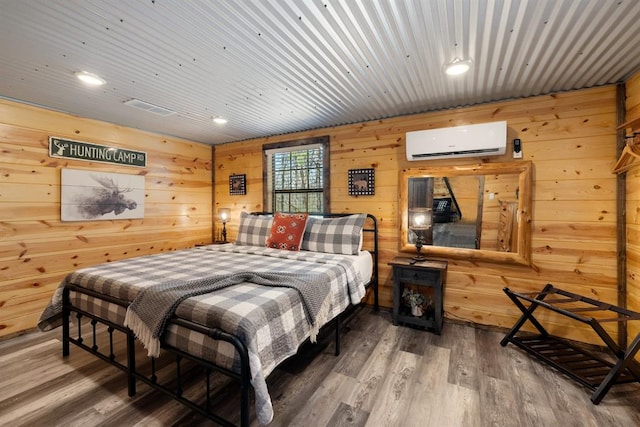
{"points": [[176, 390]]}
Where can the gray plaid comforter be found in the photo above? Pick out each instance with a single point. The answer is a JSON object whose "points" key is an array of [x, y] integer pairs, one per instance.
{"points": [[271, 322]]}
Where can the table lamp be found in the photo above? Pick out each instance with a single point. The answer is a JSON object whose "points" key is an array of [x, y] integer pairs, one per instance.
{"points": [[421, 220], [224, 214]]}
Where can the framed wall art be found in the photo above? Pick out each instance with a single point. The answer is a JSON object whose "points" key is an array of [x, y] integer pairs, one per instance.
{"points": [[93, 196], [361, 182], [237, 185]]}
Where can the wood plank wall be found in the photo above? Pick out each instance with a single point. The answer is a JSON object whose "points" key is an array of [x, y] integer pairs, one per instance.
{"points": [[37, 250], [632, 87], [570, 137]]}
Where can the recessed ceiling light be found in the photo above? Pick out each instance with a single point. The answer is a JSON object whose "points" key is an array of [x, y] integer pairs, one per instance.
{"points": [[219, 120], [457, 67], [90, 78]]}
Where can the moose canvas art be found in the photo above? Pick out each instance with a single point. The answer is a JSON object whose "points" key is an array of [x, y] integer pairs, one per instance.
{"points": [[90, 196]]}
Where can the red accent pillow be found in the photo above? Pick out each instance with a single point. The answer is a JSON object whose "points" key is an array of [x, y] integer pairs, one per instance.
{"points": [[287, 231]]}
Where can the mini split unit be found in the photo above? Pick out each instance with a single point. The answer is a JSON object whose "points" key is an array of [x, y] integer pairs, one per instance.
{"points": [[486, 139]]}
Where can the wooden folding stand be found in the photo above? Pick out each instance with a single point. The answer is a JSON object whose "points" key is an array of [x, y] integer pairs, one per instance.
{"points": [[591, 370]]}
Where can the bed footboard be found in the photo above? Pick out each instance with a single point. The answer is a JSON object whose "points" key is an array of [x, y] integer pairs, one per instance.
{"points": [[128, 365], [94, 342]]}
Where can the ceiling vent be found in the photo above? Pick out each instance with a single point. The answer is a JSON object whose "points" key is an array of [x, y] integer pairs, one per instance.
{"points": [[155, 109]]}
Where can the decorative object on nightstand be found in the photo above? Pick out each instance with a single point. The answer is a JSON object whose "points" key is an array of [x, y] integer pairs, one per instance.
{"points": [[415, 301], [421, 222], [411, 282], [224, 213]]}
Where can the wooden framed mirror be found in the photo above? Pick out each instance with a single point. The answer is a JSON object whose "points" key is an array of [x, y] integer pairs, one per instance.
{"points": [[475, 212]]}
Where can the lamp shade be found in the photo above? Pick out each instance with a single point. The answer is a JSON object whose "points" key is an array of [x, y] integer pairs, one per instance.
{"points": [[224, 213], [420, 218], [421, 223]]}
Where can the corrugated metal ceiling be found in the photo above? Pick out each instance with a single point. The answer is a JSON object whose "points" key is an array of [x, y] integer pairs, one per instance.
{"points": [[273, 67]]}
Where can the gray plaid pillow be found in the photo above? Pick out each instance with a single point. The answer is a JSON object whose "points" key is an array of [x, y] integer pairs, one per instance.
{"points": [[334, 235], [253, 230]]}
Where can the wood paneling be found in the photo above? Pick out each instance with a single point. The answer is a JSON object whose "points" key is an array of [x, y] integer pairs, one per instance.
{"points": [[37, 250], [570, 137], [632, 87]]}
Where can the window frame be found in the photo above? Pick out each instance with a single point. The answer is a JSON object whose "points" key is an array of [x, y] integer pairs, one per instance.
{"points": [[293, 145]]}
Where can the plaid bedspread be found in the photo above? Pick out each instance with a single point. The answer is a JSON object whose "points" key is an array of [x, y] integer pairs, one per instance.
{"points": [[147, 316], [271, 322]]}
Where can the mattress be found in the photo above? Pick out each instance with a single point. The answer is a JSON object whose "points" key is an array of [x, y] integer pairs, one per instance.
{"points": [[363, 264]]}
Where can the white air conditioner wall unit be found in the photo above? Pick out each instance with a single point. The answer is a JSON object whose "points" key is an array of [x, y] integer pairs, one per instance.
{"points": [[486, 139]]}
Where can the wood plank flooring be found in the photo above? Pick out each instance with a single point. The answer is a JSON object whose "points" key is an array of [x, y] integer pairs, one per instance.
{"points": [[386, 376]]}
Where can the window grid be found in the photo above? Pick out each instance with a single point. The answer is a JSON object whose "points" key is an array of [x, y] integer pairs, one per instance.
{"points": [[298, 180]]}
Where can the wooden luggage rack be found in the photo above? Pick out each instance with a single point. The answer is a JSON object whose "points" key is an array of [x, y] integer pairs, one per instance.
{"points": [[587, 368]]}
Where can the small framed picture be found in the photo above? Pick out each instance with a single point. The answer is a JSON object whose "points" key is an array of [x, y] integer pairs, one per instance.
{"points": [[361, 182], [237, 185]]}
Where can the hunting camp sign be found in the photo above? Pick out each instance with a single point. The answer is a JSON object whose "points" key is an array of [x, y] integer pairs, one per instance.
{"points": [[78, 150]]}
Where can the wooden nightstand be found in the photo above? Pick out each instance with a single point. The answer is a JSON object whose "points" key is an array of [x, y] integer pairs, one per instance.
{"points": [[428, 273]]}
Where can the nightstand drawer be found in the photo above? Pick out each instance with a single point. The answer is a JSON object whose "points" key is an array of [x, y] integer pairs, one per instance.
{"points": [[419, 276]]}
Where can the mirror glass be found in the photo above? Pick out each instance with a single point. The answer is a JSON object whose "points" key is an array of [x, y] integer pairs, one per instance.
{"points": [[474, 212]]}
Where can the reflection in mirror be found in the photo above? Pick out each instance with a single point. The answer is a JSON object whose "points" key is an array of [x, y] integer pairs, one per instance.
{"points": [[476, 211], [449, 226]]}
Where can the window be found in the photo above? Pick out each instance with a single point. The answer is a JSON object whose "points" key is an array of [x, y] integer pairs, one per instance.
{"points": [[297, 176]]}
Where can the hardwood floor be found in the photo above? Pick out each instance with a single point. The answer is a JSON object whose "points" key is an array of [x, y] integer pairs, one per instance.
{"points": [[386, 376]]}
